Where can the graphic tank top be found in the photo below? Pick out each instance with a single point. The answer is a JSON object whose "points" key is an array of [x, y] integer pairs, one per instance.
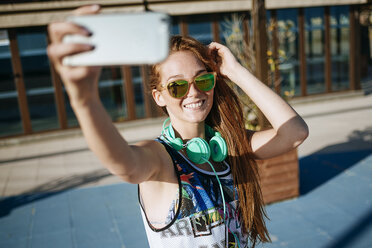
{"points": [[198, 220]]}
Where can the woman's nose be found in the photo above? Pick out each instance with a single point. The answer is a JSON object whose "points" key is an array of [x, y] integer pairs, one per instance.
{"points": [[193, 90]]}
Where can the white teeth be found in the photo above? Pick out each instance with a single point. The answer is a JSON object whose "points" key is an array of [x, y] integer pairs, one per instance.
{"points": [[194, 105]]}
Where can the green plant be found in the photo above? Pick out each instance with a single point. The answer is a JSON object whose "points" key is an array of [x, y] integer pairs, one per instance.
{"points": [[285, 35], [245, 53]]}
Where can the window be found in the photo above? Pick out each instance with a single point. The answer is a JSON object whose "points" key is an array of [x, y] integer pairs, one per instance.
{"points": [[138, 92], [340, 47], [32, 43], [111, 92], [200, 27], [314, 36], [288, 56], [10, 119]]}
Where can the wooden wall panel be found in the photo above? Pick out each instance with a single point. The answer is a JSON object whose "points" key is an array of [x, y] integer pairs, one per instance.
{"points": [[279, 177]]}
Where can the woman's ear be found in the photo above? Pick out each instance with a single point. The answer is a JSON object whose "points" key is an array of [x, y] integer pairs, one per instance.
{"points": [[158, 97]]}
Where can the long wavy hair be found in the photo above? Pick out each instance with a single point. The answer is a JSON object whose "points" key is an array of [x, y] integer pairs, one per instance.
{"points": [[226, 116]]}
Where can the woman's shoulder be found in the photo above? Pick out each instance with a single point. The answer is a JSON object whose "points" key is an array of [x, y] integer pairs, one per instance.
{"points": [[162, 158], [157, 146]]}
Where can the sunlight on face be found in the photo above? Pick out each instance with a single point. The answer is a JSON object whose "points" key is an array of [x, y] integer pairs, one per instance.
{"points": [[195, 105]]}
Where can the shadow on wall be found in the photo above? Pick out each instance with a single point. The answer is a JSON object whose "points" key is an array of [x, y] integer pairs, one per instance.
{"points": [[51, 188], [323, 165]]}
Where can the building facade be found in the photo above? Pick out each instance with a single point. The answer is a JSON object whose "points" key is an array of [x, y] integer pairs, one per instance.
{"points": [[313, 47]]}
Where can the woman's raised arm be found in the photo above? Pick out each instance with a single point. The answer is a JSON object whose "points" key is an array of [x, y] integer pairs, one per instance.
{"points": [[288, 129], [133, 164]]}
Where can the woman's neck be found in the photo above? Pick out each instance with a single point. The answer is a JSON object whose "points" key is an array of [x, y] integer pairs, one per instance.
{"points": [[187, 131]]}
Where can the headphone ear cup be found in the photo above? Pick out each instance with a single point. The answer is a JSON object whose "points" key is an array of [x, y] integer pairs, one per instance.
{"points": [[176, 143], [198, 150], [218, 148]]}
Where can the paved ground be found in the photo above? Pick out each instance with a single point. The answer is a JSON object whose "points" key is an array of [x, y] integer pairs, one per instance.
{"points": [[59, 161], [334, 209]]}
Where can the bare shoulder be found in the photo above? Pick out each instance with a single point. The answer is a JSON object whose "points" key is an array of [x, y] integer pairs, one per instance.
{"points": [[148, 144], [161, 163], [154, 149], [158, 192]]}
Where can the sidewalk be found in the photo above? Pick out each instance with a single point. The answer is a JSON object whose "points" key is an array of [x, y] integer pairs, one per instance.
{"points": [[61, 160], [48, 198], [336, 214]]}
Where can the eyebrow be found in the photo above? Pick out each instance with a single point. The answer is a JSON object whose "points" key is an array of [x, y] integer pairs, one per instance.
{"points": [[181, 75]]}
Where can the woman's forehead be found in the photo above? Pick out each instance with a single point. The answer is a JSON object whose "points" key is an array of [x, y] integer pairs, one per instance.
{"points": [[183, 63]]}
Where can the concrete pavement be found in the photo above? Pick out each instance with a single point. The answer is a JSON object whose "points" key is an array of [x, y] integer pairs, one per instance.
{"points": [[61, 160], [335, 158]]}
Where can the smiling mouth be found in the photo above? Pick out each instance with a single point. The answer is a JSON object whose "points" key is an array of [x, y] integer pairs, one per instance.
{"points": [[194, 105]]}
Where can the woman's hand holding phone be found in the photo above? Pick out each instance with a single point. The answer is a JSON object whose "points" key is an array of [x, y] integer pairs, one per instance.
{"points": [[81, 81]]}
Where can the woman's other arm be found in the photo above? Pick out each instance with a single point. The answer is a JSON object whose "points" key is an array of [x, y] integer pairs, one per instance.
{"points": [[288, 128]]}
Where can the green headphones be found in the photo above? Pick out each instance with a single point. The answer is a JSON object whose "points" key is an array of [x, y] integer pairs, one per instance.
{"points": [[197, 149]]}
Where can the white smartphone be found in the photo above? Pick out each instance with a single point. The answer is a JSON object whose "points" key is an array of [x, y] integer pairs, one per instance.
{"points": [[119, 39]]}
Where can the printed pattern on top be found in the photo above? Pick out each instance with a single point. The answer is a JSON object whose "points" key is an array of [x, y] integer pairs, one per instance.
{"points": [[198, 216]]}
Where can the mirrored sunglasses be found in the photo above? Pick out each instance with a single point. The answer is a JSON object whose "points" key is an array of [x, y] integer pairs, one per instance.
{"points": [[179, 88]]}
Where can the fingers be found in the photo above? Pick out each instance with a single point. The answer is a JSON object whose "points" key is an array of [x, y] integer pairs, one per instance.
{"points": [[80, 81], [57, 52], [214, 51], [87, 10], [213, 45], [223, 57], [58, 30], [218, 47]]}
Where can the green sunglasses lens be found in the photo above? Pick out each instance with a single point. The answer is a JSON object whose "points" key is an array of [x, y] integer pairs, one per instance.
{"points": [[205, 82], [178, 88]]}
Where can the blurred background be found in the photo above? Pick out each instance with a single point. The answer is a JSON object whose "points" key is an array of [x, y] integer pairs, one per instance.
{"points": [[312, 49], [315, 54]]}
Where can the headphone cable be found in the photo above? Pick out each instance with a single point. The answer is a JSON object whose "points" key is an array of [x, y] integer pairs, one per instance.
{"points": [[224, 208]]}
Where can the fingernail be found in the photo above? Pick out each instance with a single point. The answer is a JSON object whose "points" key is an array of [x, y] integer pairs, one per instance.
{"points": [[88, 47], [86, 32]]}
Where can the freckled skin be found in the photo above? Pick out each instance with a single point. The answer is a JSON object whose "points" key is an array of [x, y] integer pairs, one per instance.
{"points": [[184, 65]]}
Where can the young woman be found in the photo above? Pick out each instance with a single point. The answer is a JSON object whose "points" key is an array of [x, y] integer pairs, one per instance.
{"points": [[192, 194]]}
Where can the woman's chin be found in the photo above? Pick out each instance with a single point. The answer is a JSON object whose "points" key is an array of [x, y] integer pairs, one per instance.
{"points": [[196, 117]]}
